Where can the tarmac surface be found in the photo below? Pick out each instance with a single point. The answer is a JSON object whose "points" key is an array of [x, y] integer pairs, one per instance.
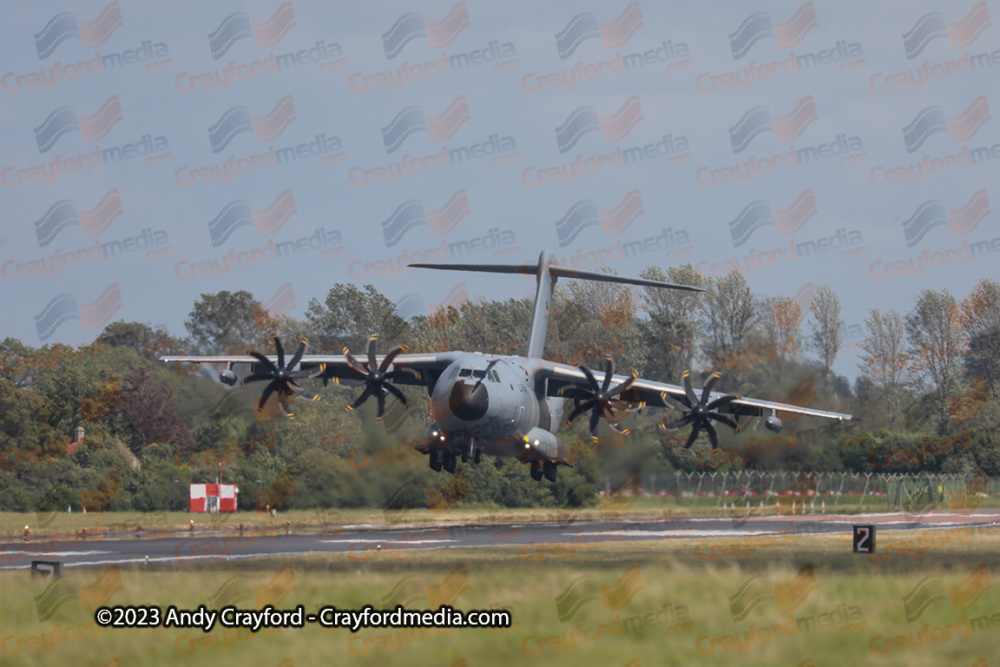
{"points": [[366, 542]]}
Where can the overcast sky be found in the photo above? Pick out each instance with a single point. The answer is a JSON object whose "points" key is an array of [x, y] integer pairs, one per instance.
{"points": [[505, 90]]}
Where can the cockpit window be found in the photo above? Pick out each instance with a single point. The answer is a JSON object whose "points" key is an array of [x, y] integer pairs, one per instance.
{"points": [[478, 374], [464, 373]]}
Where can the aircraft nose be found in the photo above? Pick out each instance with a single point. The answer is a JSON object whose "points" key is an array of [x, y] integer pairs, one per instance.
{"points": [[466, 404]]}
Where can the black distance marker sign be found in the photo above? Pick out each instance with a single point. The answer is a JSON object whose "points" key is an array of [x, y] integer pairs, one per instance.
{"points": [[864, 539]]}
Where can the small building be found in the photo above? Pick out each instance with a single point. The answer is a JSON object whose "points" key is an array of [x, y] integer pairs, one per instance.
{"points": [[213, 498]]}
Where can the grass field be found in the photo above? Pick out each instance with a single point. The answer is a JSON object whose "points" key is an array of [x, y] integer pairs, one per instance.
{"points": [[719, 601]]}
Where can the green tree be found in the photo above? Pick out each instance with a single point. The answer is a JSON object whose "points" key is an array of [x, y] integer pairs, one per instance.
{"points": [[728, 313], [15, 364], [671, 332], [348, 316], [150, 343], [884, 364], [935, 346], [23, 422], [778, 319], [226, 322], [825, 327], [979, 317]]}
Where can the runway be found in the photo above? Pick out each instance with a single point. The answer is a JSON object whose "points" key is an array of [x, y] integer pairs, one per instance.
{"points": [[364, 543]]}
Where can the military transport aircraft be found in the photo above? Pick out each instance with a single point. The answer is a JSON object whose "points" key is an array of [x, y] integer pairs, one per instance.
{"points": [[505, 405]]}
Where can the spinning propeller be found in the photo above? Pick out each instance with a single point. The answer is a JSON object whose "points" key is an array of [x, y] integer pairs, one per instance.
{"points": [[376, 378], [700, 413], [598, 399], [282, 376]]}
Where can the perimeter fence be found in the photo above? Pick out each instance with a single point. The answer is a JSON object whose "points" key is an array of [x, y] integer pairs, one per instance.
{"points": [[865, 490]]}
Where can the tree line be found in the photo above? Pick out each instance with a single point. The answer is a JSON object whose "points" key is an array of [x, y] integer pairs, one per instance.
{"points": [[922, 399]]}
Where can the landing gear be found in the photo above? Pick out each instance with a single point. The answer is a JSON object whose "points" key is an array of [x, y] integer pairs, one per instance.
{"points": [[536, 471], [449, 462], [435, 461], [465, 456], [477, 456], [550, 470]]}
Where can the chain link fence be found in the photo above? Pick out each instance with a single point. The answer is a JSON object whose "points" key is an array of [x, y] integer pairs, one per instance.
{"points": [[867, 490]]}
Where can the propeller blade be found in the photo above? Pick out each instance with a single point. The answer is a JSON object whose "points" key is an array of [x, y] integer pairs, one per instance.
{"points": [[707, 390], [622, 387], [719, 402], [622, 405], [264, 360], [392, 355], [353, 366], [616, 429], [302, 392], [267, 392], [609, 370], [712, 435], [257, 376], [380, 397], [692, 399], [308, 373], [298, 354], [396, 372], [283, 406], [725, 420], [396, 392], [371, 353], [694, 435], [590, 376], [674, 403], [683, 421], [595, 418], [582, 408], [364, 396], [280, 349]]}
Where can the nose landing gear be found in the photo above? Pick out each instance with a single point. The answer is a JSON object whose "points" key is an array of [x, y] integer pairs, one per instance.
{"points": [[446, 461], [547, 469]]}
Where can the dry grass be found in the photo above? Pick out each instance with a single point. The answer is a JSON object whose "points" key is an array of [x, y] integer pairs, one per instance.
{"points": [[857, 603]]}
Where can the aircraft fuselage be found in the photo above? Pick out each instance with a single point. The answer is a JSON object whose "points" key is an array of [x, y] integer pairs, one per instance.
{"points": [[491, 404]]}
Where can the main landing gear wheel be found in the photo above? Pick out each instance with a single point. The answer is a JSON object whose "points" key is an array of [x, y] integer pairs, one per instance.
{"points": [[477, 456], [435, 461], [449, 462], [536, 471], [550, 470]]}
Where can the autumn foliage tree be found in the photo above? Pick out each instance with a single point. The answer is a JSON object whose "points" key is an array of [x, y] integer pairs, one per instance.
{"points": [[146, 414]]}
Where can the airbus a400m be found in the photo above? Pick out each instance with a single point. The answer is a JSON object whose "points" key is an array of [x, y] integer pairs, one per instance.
{"points": [[507, 405]]}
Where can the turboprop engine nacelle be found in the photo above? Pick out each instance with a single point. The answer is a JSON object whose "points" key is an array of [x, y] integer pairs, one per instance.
{"points": [[774, 424], [545, 445]]}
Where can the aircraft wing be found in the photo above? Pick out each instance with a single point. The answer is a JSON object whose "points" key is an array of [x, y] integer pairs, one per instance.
{"points": [[562, 376], [336, 366]]}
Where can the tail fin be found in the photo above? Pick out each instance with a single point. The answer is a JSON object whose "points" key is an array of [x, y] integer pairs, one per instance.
{"points": [[547, 271]]}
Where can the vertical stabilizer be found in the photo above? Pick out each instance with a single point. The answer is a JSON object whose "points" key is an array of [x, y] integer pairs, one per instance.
{"points": [[543, 301]]}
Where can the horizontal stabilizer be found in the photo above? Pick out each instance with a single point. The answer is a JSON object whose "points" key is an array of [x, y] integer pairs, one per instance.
{"points": [[547, 271], [557, 271], [609, 278]]}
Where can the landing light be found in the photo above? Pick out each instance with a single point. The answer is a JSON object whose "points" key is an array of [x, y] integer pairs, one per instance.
{"points": [[536, 443], [527, 445]]}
